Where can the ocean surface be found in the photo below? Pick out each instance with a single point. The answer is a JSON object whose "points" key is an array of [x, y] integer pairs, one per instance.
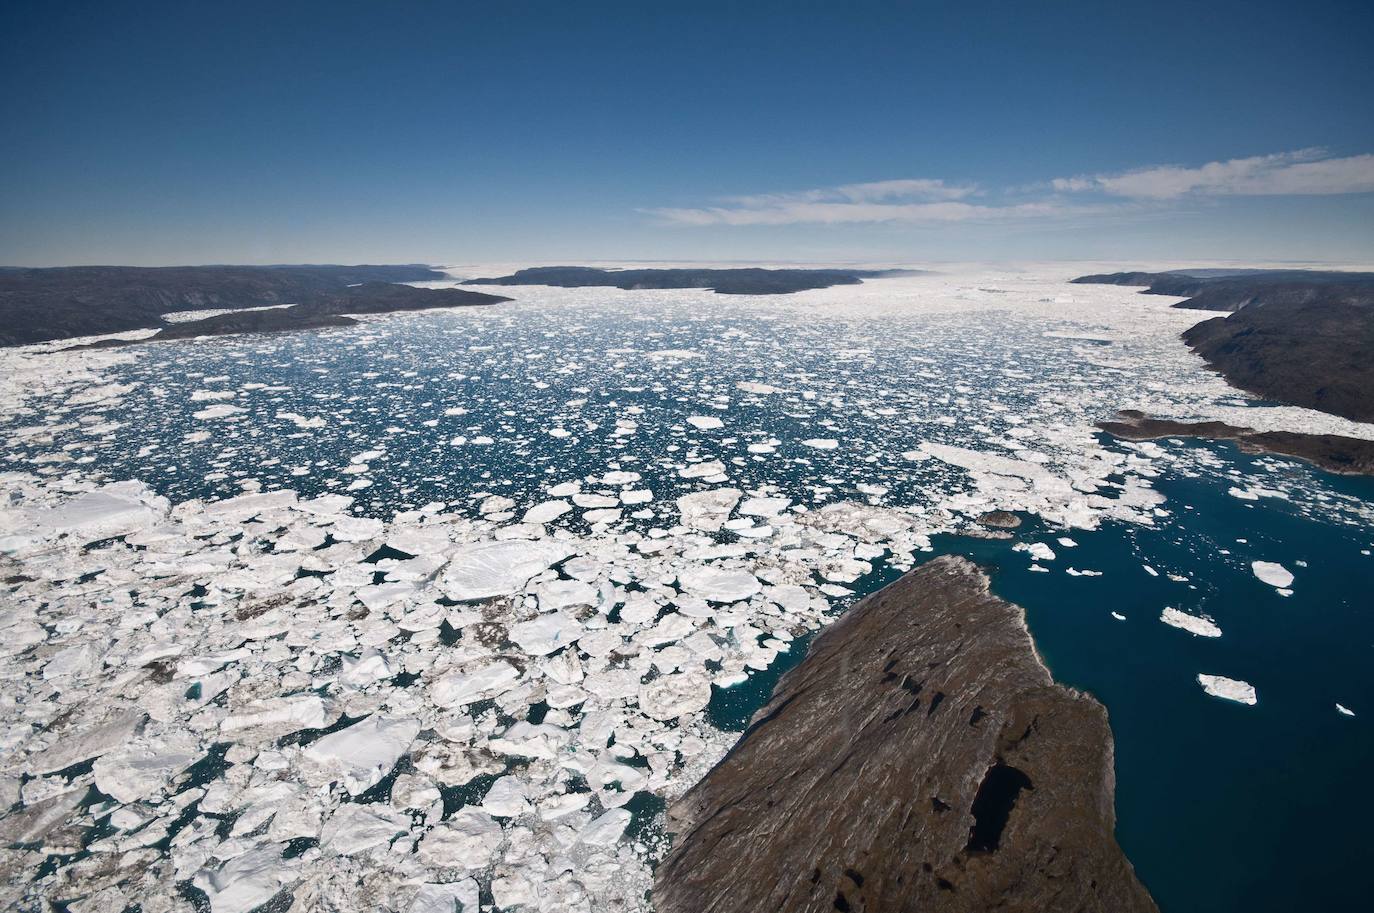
{"points": [[888, 395]]}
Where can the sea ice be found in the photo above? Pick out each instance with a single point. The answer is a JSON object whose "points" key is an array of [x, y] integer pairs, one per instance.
{"points": [[1229, 688], [1276, 575], [1193, 624], [490, 569]]}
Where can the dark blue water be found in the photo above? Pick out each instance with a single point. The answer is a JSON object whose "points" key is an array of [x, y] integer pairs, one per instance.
{"points": [[1221, 806]]}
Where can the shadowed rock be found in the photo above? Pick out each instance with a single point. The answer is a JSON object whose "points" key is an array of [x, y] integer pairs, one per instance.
{"points": [[1304, 337], [1332, 452], [746, 281], [919, 759]]}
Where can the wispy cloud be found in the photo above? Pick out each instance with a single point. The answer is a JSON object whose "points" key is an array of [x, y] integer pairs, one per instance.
{"points": [[1304, 172], [934, 201], [791, 213]]}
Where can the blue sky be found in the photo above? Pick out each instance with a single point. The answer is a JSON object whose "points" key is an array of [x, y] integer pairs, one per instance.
{"points": [[246, 132]]}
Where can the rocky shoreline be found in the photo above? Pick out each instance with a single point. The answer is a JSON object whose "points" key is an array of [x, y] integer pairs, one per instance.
{"points": [[1332, 452], [1300, 337], [919, 758]]}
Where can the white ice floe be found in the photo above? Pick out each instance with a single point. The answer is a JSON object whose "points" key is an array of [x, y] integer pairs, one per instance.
{"points": [[1344, 711], [358, 756], [1193, 624], [1229, 688], [705, 422], [719, 584], [1276, 575], [490, 569]]}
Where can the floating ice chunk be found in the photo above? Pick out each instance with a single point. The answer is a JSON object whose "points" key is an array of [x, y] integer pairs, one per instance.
{"points": [[671, 696], [1118, 616], [1243, 494], [75, 747], [371, 666], [1039, 551], [556, 807], [280, 715], [749, 386], [546, 634], [498, 568], [546, 512], [453, 897], [718, 584], [1276, 575], [704, 422], [301, 421], [560, 594], [108, 511], [1193, 624], [355, 827], [361, 754], [141, 771], [821, 443], [507, 798], [1067, 542], [457, 689], [605, 830], [468, 840], [219, 410], [246, 882], [704, 470], [636, 496], [1149, 570], [707, 510], [1229, 688], [764, 507], [1344, 711], [562, 490]]}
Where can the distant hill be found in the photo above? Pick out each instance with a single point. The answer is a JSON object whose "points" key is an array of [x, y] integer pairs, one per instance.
{"points": [[37, 305], [747, 281], [1231, 290], [1296, 336]]}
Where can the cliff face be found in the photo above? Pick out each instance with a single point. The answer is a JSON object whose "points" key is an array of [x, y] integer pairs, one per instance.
{"points": [[919, 759]]}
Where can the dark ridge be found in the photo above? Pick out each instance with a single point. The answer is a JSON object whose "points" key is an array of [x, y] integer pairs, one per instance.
{"points": [[1303, 337], [37, 305], [1332, 452], [750, 281]]}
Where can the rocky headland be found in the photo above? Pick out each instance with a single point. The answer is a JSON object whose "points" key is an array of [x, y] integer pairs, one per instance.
{"points": [[920, 758], [1332, 452], [1300, 337], [40, 305], [749, 281]]}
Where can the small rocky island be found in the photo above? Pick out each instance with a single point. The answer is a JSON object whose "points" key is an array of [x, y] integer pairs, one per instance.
{"points": [[920, 758], [39, 305], [749, 281]]}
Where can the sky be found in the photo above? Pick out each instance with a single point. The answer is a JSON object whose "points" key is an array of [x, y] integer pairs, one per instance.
{"points": [[192, 132]]}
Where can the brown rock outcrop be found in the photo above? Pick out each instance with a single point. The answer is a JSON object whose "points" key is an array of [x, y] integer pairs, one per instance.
{"points": [[920, 758]]}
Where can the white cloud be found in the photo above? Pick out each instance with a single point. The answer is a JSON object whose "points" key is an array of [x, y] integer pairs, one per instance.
{"points": [[934, 201], [1304, 172], [791, 213]]}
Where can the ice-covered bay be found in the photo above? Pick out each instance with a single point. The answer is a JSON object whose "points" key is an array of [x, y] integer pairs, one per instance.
{"points": [[439, 604]]}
